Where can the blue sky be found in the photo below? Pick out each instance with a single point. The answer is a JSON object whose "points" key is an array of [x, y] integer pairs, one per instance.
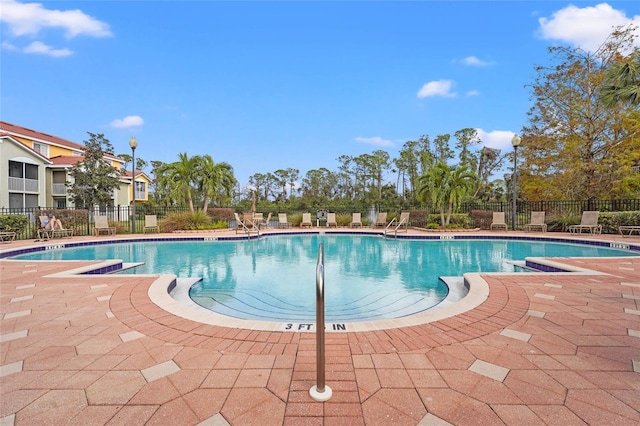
{"points": [[271, 85]]}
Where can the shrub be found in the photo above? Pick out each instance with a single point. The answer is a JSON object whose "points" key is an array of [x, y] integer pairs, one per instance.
{"points": [[13, 223], [187, 221], [481, 218], [343, 219], [610, 221], [560, 222], [457, 220], [295, 219], [417, 217], [218, 214]]}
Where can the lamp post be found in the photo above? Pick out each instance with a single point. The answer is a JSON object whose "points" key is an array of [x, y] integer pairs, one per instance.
{"points": [[133, 143], [515, 141]]}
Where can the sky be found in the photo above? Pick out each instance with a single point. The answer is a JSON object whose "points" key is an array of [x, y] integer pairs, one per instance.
{"points": [[289, 84]]}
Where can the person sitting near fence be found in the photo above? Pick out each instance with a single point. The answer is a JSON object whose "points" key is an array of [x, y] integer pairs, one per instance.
{"points": [[51, 223]]}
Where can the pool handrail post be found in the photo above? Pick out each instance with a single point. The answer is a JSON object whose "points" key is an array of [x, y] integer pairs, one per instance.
{"points": [[320, 392]]}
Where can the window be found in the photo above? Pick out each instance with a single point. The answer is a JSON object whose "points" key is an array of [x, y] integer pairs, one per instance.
{"points": [[41, 148], [139, 191], [16, 201], [31, 171], [15, 169]]}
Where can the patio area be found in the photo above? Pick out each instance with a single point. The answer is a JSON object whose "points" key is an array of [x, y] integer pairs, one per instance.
{"points": [[542, 349]]}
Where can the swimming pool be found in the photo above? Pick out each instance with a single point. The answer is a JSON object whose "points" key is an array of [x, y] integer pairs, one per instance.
{"points": [[366, 277]]}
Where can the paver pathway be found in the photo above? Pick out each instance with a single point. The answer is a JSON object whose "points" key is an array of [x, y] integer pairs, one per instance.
{"points": [[542, 349]]}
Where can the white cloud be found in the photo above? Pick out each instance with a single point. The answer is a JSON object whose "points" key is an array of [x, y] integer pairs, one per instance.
{"points": [[437, 88], [375, 141], [499, 139], [473, 93], [475, 62], [8, 46], [29, 18], [128, 121], [586, 27], [40, 48]]}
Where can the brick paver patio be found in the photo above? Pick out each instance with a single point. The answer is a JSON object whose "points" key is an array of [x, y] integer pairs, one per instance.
{"points": [[543, 349]]}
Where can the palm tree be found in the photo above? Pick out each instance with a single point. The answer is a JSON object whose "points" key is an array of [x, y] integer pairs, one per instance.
{"points": [[180, 175], [622, 82], [445, 187], [213, 178]]}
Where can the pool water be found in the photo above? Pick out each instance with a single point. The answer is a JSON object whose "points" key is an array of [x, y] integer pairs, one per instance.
{"points": [[366, 277]]}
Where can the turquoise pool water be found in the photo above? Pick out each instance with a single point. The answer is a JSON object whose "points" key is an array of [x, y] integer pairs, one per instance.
{"points": [[366, 277]]}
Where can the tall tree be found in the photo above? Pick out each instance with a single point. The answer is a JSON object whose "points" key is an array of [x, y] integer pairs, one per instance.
{"points": [[466, 138], [94, 179], [443, 151], [575, 147], [282, 177], [622, 81]]}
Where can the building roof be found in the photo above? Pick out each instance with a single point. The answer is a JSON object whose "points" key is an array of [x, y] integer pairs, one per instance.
{"points": [[67, 160], [34, 135]]}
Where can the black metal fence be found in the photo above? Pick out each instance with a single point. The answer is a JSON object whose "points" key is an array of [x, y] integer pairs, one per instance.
{"points": [[121, 216]]}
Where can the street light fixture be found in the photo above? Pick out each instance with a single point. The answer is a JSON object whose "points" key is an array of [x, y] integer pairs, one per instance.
{"points": [[515, 141], [133, 143]]}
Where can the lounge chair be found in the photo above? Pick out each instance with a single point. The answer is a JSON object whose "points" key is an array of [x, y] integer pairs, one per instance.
{"points": [[356, 220], [537, 222], [282, 221], [102, 225], [248, 219], [306, 220], [246, 224], [498, 221], [331, 220], [7, 235], [628, 230], [265, 223], [53, 227], [381, 220], [150, 223], [588, 222], [403, 222]]}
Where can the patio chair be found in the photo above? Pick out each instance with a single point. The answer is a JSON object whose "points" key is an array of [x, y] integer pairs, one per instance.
{"points": [[265, 223], [248, 219], [331, 220], [498, 221], [7, 235], [306, 220], [356, 220], [50, 227], [282, 221], [537, 222], [381, 220], [588, 222], [246, 224], [150, 223], [102, 225], [403, 222]]}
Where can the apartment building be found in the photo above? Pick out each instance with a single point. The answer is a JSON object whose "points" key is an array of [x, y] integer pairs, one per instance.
{"points": [[34, 171]]}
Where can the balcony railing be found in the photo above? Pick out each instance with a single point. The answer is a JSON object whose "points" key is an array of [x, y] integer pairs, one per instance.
{"points": [[59, 189], [23, 185]]}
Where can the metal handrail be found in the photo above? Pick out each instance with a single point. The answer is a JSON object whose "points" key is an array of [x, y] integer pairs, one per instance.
{"points": [[320, 392], [395, 230]]}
